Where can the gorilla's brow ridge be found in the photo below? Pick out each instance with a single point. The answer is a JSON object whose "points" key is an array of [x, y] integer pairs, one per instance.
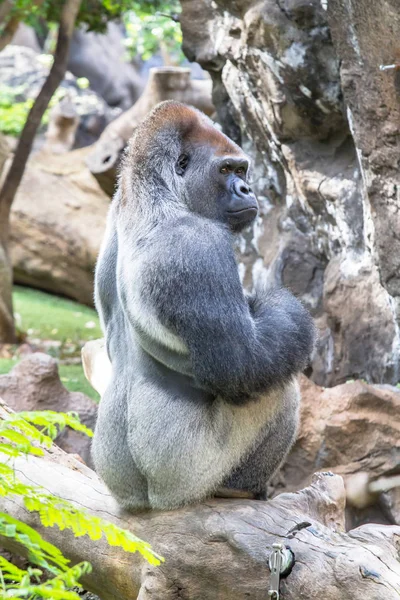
{"points": [[190, 124]]}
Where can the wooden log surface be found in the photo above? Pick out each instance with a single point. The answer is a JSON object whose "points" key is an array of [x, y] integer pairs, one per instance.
{"points": [[219, 550]]}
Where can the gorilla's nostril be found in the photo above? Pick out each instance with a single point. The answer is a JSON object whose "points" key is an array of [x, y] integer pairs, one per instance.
{"points": [[244, 189]]}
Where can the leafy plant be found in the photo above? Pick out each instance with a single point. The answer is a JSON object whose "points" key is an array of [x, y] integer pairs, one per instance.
{"points": [[13, 113], [150, 30], [153, 32], [95, 14], [20, 435]]}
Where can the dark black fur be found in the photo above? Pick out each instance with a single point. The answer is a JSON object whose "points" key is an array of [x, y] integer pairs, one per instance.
{"points": [[239, 346]]}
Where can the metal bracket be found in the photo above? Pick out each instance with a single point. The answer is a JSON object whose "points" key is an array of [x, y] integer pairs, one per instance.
{"points": [[280, 561]]}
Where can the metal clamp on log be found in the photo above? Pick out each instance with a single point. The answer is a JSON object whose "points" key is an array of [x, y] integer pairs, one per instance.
{"points": [[281, 561]]}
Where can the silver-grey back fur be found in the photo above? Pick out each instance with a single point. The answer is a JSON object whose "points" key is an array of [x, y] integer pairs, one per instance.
{"points": [[203, 391]]}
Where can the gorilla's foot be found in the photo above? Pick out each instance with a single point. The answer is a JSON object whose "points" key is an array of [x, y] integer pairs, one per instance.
{"points": [[224, 492]]}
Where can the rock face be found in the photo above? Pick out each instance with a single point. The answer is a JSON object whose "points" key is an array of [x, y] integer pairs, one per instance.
{"points": [[26, 36], [57, 223], [351, 428], [34, 384], [365, 37], [101, 59], [25, 70], [277, 88]]}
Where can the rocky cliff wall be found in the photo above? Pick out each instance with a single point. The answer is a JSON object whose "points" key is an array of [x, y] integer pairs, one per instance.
{"points": [[277, 86]]}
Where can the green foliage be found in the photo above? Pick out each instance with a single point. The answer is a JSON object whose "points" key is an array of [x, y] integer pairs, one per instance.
{"points": [[95, 14], [13, 113], [149, 29], [26, 583], [151, 32], [20, 435]]}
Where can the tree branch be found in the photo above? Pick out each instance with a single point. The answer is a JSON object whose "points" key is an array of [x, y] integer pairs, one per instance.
{"points": [[218, 549], [14, 176], [67, 21], [8, 32], [12, 25], [5, 9]]}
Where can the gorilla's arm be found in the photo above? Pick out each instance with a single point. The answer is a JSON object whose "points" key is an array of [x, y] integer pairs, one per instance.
{"points": [[238, 346]]}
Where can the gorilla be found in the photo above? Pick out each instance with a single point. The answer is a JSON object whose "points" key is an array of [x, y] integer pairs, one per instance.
{"points": [[203, 392]]}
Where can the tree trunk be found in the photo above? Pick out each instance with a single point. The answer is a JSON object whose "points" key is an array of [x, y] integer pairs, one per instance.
{"points": [[6, 313], [218, 550], [12, 25], [5, 9], [8, 32], [7, 328], [67, 21]]}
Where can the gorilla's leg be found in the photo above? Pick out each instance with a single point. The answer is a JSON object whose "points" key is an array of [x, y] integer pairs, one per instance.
{"points": [[111, 455], [122, 476], [135, 496], [253, 474]]}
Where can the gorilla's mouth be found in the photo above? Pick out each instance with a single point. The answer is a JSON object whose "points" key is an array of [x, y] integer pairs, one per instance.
{"points": [[239, 219], [244, 214]]}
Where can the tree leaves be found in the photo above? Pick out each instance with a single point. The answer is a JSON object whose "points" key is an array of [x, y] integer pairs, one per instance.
{"points": [[19, 435]]}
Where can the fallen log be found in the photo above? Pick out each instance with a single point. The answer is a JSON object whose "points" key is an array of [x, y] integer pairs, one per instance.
{"points": [[57, 224], [218, 550]]}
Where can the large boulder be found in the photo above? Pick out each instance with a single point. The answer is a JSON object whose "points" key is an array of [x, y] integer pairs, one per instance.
{"points": [[26, 36], [57, 223], [34, 384], [349, 429], [277, 88], [101, 59]]}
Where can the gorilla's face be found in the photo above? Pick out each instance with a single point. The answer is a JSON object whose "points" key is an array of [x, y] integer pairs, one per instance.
{"points": [[216, 186]]}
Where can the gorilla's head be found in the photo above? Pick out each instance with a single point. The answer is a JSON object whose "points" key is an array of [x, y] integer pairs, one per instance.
{"points": [[180, 148]]}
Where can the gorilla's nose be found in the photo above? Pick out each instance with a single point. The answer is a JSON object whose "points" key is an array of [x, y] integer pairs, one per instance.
{"points": [[241, 188], [243, 206]]}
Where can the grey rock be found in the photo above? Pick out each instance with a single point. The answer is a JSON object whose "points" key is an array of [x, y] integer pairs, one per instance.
{"points": [[101, 59], [26, 36]]}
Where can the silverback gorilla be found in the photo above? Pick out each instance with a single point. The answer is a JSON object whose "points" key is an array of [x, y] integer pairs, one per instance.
{"points": [[203, 392]]}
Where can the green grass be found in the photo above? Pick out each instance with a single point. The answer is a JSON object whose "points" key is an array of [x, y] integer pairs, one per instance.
{"points": [[73, 378], [6, 364], [48, 317], [41, 317]]}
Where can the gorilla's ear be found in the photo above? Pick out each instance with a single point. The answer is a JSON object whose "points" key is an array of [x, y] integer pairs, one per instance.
{"points": [[181, 164]]}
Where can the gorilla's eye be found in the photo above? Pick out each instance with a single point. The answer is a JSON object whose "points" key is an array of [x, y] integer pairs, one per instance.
{"points": [[181, 164], [225, 169], [241, 171]]}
